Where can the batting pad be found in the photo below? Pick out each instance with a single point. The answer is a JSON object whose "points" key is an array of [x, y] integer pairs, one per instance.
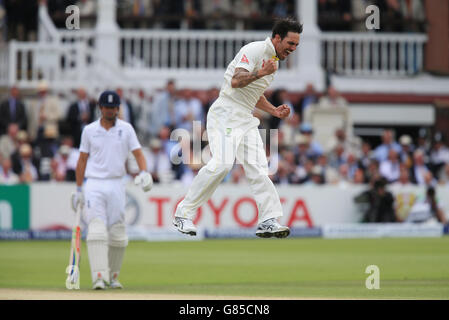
{"points": [[118, 240], [97, 249]]}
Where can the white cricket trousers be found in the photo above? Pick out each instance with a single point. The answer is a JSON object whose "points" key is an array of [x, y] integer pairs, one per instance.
{"points": [[105, 199], [233, 134]]}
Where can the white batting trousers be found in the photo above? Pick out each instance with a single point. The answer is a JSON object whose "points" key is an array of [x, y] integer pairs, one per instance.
{"points": [[233, 134]]}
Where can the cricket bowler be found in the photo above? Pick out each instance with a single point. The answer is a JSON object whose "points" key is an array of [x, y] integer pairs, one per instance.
{"points": [[104, 148], [233, 130]]}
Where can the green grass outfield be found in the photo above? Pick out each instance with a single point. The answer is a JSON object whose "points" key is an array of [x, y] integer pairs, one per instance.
{"points": [[288, 268]]}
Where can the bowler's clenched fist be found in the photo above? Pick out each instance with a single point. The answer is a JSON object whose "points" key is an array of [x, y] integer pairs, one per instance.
{"points": [[283, 111]]}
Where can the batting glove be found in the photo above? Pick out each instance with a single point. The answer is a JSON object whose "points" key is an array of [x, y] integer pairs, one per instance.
{"points": [[77, 199], [145, 180]]}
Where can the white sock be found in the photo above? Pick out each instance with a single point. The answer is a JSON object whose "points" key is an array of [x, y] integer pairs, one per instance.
{"points": [[98, 258]]}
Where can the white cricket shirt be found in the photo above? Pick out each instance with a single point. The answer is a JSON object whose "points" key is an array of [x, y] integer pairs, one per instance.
{"points": [[251, 57], [108, 149]]}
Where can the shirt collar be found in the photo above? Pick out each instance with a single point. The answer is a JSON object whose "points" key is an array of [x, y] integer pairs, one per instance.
{"points": [[270, 47]]}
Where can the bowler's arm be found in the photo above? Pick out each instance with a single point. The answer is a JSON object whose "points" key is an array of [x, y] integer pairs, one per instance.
{"points": [[283, 111], [243, 77], [265, 105]]}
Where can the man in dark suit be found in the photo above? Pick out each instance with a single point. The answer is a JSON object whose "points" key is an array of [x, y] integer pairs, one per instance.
{"points": [[80, 114], [12, 110], [126, 110]]}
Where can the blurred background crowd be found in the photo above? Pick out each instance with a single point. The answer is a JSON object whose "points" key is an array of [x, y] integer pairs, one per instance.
{"points": [[39, 139], [18, 17]]}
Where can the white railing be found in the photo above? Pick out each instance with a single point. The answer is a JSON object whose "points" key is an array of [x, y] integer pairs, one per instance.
{"points": [[198, 50], [29, 62], [373, 53]]}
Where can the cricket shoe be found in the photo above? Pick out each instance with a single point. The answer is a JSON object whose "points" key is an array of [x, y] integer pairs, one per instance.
{"points": [[271, 228], [185, 226], [115, 284], [99, 284]]}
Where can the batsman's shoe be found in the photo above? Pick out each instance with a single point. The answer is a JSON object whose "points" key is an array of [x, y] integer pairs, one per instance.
{"points": [[99, 284], [185, 226], [271, 228], [115, 284]]}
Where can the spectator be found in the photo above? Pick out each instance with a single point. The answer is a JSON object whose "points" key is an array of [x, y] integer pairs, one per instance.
{"points": [[390, 168], [25, 168], [187, 110], [427, 210], [126, 111], [163, 109], [333, 99], [7, 175], [352, 145], [419, 168], [12, 110], [59, 164], [316, 177], [359, 14], [352, 162], [45, 114], [404, 178], [310, 97], [216, 12], [413, 13], [87, 10], [288, 129], [439, 155], [283, 174], [366, 155], [391, 15], [142, 112], [334, 15], [193, 14], [372, 171], [158, 163], [429, 179], [406, 153], [424, 143], [280, 9], [359, 177], [315, 149], [80, 114], [247, 10], [9, 142], [404, 196], [329, 174], [444, 179], [381, 152], [337, 157]]}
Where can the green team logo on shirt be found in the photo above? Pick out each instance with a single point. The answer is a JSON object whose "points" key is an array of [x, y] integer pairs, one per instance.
{"points": [[228, 131]]}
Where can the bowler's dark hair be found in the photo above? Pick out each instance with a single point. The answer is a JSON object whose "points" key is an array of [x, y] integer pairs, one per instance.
{"points": [[286, 25]]}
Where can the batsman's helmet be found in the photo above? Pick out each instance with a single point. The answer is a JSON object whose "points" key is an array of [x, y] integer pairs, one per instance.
{"points": [[109, 99]]}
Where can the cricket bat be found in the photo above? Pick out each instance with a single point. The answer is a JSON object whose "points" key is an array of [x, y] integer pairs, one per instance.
{"points": [[73, 271]]}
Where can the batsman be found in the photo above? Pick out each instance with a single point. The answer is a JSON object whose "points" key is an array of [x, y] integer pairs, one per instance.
{"points": [[233, 130], [104, 148]]}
